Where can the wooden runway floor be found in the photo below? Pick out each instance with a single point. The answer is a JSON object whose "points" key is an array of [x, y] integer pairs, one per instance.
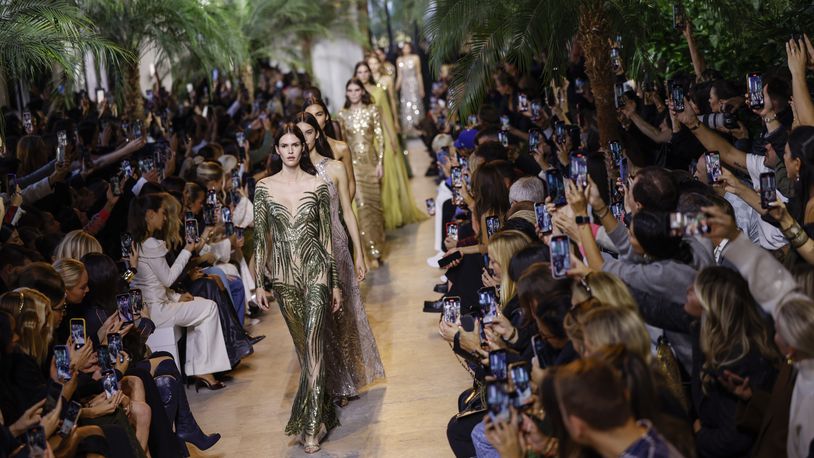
{"points": [[403, 416]]}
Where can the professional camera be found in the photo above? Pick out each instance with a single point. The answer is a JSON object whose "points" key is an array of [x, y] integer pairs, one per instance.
{"points": [[719, 120]]}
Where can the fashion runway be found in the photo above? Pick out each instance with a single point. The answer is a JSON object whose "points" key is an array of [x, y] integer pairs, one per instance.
{"points": [[403, 416]]}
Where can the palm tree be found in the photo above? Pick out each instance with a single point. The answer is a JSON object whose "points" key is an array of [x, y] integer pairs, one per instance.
{"points": [[36, 35], [173, 28], [520, 30]]}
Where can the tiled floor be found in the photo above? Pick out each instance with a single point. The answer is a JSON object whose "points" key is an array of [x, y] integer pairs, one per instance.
{"points": [[404, 416]]}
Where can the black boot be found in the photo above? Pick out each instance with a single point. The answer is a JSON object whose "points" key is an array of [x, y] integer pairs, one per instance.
{"points": [[177, 408]]}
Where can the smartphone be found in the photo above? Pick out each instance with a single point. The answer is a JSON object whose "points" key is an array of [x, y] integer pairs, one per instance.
{"points": [[126, 168], [126, 244], [137, 129], [189, 88], [226, 214], [616, 59], [713, 160], [560, 246], [538, 347], [28, 122], [534, 139], [442, 156], [239, 232], [69, 419], [618, 95], [498, 365], [452, 231], [53, 390], [487, 299], [457, 176], [441, 122], [576, 136], [11, 183], [616, 151], [559, 132], [449, 259], [191, 230], [251, 184], [520, 380], [536, 110], [62, 361], [543, 218], [624, 170], [504, 122], [471, 121], [679, 20], [241, 138], [123, 305], [556, 187], [209, 217], [492, 226], [768, 189], [579, 169], [618, 211], [77, 326], [754, 84], [36, 441], [677, 94], [522, 103], [136, 301], [110, 383], [430, 203], [452, 309], [497, 401], [114, 345], [486, 264], [103, 355], [503, 138]]}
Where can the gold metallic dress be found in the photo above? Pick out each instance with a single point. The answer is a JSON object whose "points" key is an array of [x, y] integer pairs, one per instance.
{"points": [[412, 104], [362, 128], [352, 355], [293, 253]]}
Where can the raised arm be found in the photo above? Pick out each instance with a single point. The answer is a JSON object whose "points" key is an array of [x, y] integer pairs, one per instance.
{"points": [[119, 154], [730, 155], [697, 58], [797, 59]]}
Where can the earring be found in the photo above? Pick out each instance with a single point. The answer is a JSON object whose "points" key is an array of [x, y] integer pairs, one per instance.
{"points": [[789, 359]]}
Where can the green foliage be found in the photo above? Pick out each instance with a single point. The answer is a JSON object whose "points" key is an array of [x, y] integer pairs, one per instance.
{"points": [[37, 34]]}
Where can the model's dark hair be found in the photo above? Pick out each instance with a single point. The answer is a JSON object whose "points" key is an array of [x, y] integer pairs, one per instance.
{"points": [[103, 281], [366, 99], [276, 162], [137, 217], [372, 80], [329, 125], [652, 230], [321, 143]]}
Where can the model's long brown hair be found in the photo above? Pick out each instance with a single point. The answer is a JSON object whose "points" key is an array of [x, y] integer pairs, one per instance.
{"points": [[276, 162]]}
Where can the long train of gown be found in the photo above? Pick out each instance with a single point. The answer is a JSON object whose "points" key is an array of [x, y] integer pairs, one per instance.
{"points": [[300, 266], [398, 202], [352, 356]]}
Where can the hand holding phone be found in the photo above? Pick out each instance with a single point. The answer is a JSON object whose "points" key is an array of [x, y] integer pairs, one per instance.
{"points": [[77, 326], [560, 247]]}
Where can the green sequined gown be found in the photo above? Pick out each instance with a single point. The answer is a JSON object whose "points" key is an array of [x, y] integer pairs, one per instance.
{"points": [[293, 255]]}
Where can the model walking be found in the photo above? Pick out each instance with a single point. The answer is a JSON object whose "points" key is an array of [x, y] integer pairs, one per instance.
{"points": [[353, 360], [410, 85], [293, 253], [361, 122]]}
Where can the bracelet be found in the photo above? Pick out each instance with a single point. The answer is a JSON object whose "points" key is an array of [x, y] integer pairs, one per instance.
{"points": [[511, 337], [799, 241], [792, 231], [696, 126], [600, 216]]}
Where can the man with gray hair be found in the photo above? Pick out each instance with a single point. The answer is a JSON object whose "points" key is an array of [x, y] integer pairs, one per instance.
{"points": [[529, 189]]}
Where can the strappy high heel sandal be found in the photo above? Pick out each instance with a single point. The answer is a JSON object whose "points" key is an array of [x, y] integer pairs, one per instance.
{"points": [[312, 445]]}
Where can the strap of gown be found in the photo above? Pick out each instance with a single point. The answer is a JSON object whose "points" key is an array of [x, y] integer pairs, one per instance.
{"points": [[324, 175]]}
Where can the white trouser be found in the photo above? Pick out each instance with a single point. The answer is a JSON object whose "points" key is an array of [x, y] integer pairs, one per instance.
{"points": [[206, 349]]}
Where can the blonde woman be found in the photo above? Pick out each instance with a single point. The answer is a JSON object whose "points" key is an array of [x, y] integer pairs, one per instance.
{"points": [[75, 277], [76, 244], [502, 247], [32, 313], [608, 325], [606, 287]]}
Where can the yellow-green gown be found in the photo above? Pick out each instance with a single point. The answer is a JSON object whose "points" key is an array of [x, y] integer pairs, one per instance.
{"points": [[398, 202]]}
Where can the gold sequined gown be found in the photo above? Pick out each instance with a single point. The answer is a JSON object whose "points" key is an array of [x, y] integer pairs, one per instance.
{"points": [[351, 353], [362, 128], [293, 253], [412, 105]]}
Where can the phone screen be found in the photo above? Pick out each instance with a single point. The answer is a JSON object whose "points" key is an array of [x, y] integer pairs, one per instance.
{"points": [[111, 384], [492, 226], [616, 151], [560, 256], [69, 420], [123, 305], [618, 211], [521, 382], [713, 160], [452, 230], [127, 244], [543, 218], [78, 332], [768, 189], [556, 187], [538, 346], [430, 203], [136, 301], [457, 176], [754, 82], [579, 169], [504, 122], [35, 439], [103, 353], [114, 345], [498, 365], [62, 361], [677, 94], [487, 298], [53, 391], [497, 400], [452, 309]]}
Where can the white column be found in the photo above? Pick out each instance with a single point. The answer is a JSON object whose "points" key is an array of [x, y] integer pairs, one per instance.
{"points": [[333, 62]]}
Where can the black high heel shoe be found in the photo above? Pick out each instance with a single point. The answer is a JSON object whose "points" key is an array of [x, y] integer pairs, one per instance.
{"points": [[201, 383]]}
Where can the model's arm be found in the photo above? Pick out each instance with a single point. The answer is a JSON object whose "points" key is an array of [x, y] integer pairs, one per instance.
{"points": [[398, 74], [348, 216], [344, 155], [262, 235], [418, 75]]}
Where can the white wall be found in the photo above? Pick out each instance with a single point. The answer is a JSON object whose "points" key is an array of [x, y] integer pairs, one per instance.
{"points": [[333, 61]]}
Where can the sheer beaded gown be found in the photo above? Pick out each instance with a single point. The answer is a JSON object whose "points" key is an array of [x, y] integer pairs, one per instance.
{"points": [[353, 359], [411, 103], [293, 252], [362, 128]]}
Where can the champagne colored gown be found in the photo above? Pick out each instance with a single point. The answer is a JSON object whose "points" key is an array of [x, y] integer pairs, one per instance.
{"points": [[294, 255], [352, 355], [362, 128], [412, 104], [397, 195]]}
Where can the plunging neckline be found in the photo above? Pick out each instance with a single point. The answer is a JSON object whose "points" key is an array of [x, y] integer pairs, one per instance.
{"points": [[294, 216]]}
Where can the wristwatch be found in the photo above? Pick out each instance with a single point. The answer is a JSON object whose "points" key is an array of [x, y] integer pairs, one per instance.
{"points": [[582, 219]]}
